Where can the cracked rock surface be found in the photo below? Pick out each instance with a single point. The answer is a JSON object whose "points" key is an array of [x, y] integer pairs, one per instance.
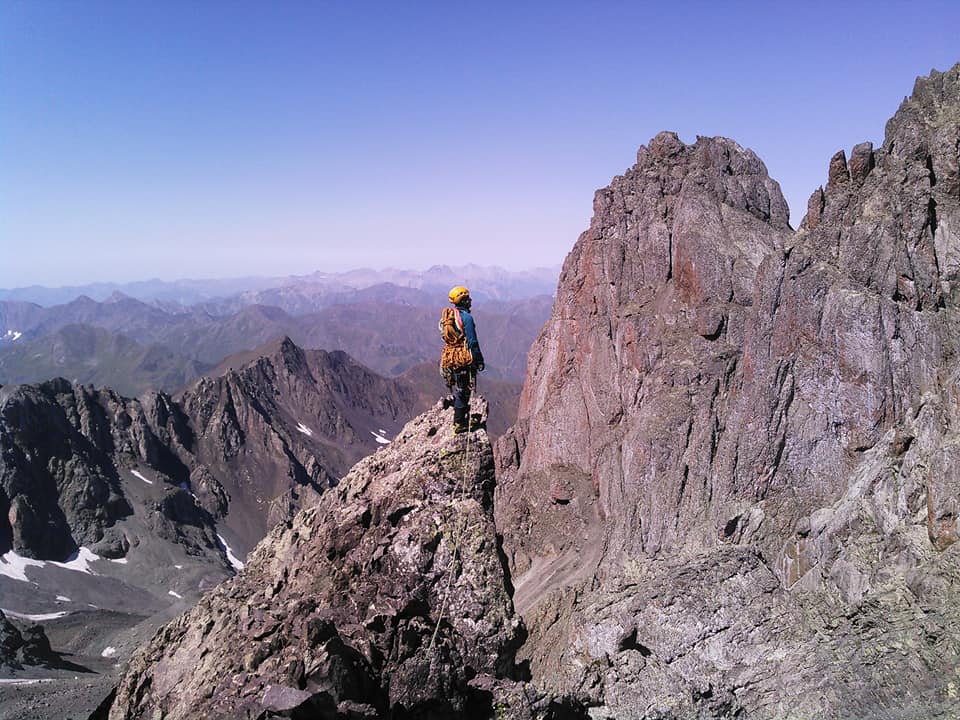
{"points": [[732, 489]]}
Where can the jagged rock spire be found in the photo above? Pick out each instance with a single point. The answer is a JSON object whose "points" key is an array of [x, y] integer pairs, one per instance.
{"points": [[734, 471]]}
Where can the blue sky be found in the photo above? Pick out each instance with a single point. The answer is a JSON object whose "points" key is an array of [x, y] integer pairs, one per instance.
{"points": [[204, 139]]}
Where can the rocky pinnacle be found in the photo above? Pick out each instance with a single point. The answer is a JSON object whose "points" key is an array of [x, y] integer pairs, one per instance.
{"points": [[388, 598]]}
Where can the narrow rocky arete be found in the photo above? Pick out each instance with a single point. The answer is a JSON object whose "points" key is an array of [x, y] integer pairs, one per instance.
{"points": [[387, 598]]}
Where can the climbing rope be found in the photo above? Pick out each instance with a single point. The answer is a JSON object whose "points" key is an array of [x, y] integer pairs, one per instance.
{"points": [[455, 546]]}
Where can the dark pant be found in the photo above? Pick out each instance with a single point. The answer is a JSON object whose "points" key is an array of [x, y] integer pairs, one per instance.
{"points": [[462, 386]]}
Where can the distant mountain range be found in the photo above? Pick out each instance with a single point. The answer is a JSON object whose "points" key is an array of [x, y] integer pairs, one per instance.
{"points": [[133, 345], [93, 355], [487, 282]]}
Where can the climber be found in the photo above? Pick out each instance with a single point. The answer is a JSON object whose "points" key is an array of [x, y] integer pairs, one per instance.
{"points": [[462, 358]]}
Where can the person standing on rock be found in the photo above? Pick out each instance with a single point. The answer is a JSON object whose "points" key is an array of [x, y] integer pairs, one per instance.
{"points": [[461, 359]]}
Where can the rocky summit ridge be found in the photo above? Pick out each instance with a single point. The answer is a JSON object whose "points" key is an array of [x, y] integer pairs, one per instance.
{"points": [[388, 598], [731, 491]]}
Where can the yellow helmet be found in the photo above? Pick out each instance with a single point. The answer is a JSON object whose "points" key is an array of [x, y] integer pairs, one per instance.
{"points": [[459, 294]]}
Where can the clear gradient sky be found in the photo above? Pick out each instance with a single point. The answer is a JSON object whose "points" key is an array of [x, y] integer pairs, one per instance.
{"points": [[210, 139]]}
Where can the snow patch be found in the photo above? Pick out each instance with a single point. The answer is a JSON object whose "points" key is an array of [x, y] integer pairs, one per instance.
{"points": [[63, 598], [14, 566], [176, 595], [234, 560], [79, 561], [119, 561], [138, 475], [108, 651], [179, 567], [304, 429], [379, 437], [35, 618], [12, 335]]}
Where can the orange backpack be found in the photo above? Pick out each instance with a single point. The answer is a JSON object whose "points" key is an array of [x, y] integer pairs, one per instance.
{"points": [[456, 355]]}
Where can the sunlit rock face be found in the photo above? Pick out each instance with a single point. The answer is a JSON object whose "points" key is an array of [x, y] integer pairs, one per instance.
{"points": [[646, 337], [733, 483]]}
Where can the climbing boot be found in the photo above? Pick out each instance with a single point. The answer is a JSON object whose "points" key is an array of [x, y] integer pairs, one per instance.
{"points": [[461, 420]]}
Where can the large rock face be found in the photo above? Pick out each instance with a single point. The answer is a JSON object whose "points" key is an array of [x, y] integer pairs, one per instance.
{"points": [[651, 315], [63, 448], [387, 598], [732, 486]]}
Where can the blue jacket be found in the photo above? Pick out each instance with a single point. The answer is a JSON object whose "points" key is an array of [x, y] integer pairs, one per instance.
{"points": [[470, 331]]}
